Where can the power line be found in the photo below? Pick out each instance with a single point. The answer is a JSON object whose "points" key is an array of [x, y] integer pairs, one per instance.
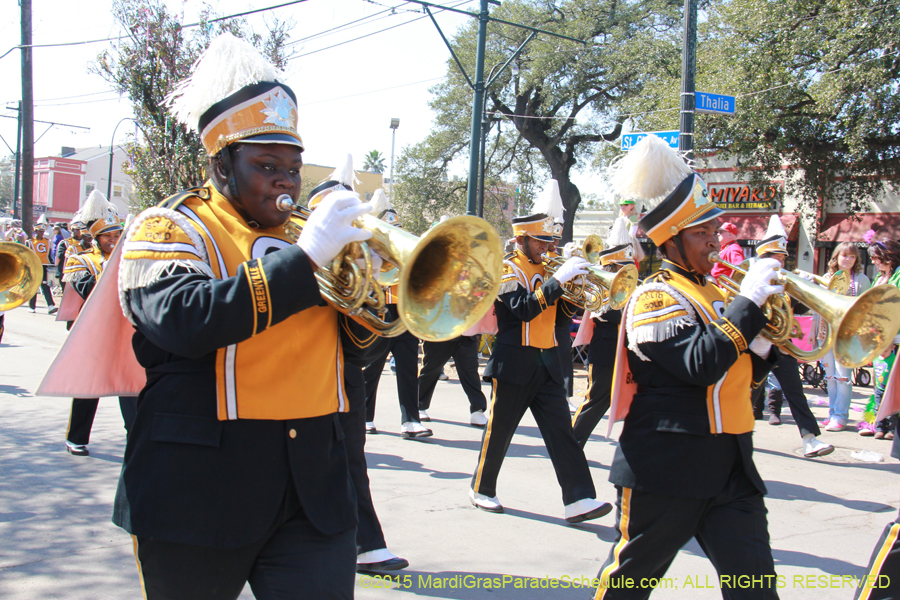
{"points": [[373, 91]]}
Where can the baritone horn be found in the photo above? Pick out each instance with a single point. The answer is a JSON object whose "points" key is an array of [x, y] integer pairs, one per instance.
{"points": [[859, 329], [589, 291], [21, 274], [446, 280]]}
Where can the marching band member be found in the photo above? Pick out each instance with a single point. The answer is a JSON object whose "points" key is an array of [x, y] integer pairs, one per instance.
{"points": [[82, 271], [68, 246], [617, 251], [526, 374], [372, 551], [404, 347], [235, 469], [684, 465], [784, 380], [41, 247]]}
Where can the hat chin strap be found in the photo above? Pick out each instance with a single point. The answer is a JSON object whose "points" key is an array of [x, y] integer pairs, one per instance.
{"points": [[683, 255], [233, 188]]}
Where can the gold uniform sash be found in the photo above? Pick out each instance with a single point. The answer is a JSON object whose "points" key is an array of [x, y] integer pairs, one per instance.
{"points": [[519, 271], [660, 309], [291, 371], [89, 262]]}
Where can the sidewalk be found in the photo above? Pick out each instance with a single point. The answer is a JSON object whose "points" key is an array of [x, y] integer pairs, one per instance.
{"points": [[57, 541]]}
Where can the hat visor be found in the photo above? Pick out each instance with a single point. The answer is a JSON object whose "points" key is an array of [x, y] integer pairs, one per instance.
{"points": [[271, 138], [543, 238]]}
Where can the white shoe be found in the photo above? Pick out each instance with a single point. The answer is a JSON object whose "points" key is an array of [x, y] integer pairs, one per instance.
{"points": [[586, 509], [370, 427], [412, 430], [443, 377], [379, 560], [834, 425], [813, 448], [572, 408], [477, 419], [488, 503], [423, 416]]}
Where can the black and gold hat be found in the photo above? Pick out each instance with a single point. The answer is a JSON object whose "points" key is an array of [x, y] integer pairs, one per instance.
{"points": [[618, 247], [775, 239], [655, 174], [343, 178], [99, 213], [539, 226], [549, 203], [233, 95]]}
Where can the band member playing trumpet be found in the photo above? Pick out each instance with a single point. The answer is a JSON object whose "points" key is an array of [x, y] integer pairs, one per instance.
{"points": [[235, 470], [684, 465], [526, 374], [618, 251]]}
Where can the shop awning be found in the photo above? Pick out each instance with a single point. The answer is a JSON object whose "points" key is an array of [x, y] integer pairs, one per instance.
{"points": [[840, 228], [753, 226]]}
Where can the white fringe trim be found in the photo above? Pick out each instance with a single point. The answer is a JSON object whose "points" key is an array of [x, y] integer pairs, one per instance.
{"points": [[656, 332], [134, 274], [508, 286], [76, 276]]}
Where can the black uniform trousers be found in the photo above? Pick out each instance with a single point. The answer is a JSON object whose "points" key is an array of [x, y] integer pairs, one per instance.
{"points": [[882, 579], [547, 400], [787, 372], [464, 351], [293, 560], [369, 535], [564, 347], [602, 358], [45, 290], [730, 527], [405, 348], [81, 417]]}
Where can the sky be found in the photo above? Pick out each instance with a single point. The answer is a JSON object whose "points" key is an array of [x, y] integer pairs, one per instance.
{"points": [[347, 91]]}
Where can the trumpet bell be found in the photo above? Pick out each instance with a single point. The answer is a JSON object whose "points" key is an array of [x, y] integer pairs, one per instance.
{"points": [[591, 248], [621, 286], [450, 279], [20, 275], [868, 326]]}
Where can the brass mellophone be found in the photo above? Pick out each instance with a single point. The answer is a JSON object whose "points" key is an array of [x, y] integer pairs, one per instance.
{"points": [[21, 274], [591, 290], [446, 280], [859, 329]]}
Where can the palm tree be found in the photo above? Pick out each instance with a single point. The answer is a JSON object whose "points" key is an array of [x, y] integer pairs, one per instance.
{"points": [[374, 162]]}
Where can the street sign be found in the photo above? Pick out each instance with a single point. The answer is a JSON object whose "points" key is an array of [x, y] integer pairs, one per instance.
{"points": [[669, 137], [715, 104]]}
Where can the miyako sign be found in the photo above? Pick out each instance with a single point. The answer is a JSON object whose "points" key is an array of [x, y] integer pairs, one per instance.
{"points": [[746, 196]]}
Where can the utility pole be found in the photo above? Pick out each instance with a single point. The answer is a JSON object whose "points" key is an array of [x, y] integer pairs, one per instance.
{"points": [[477, 110], [18, 160], [27, 113], [688, 68]]}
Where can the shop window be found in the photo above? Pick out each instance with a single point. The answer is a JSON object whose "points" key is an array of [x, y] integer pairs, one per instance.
{"points": [[117, 191], [89, 186]]}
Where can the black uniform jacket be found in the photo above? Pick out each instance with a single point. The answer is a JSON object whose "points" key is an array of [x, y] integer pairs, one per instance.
{"points": [[510, 360], [191, 478], [666, 446], [604, 338]]}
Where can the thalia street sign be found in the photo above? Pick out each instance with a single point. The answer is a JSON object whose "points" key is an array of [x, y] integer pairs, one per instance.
{"points": [[716, 104]]}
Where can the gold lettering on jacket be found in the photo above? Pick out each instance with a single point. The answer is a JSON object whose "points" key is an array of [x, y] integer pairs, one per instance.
{"points": [[259, 289]]}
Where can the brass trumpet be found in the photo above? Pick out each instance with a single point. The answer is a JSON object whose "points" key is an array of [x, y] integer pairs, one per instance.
{"points": [[446, 280], [839, 282], [20, 275], [859, 329], [589, 291]]}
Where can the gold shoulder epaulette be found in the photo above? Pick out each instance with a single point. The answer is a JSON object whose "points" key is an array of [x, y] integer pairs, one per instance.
{"points": [[656, 313]]}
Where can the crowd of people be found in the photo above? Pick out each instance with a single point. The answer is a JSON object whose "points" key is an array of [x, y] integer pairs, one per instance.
{"points": [[232, 476]]}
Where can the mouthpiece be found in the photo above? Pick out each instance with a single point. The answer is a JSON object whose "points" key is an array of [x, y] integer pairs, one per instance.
{"points": [[284, 203]]}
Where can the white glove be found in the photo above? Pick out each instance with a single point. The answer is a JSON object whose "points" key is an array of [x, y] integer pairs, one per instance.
{"points": [[329, 228], [573, 267], [568, 248], [760, 346], [757, 286]]}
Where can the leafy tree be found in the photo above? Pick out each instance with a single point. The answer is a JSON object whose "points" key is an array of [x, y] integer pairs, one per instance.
{"points": [[561, 103], [817, 90], [154, 55], [374, 162]]}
